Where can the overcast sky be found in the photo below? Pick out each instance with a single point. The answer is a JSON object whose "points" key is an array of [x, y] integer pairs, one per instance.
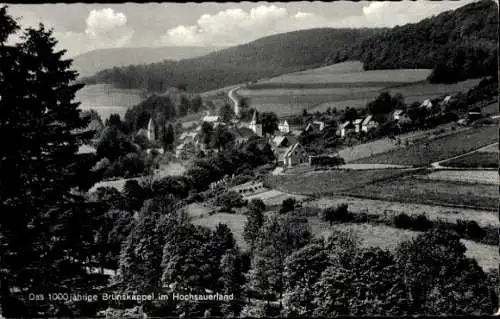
{"points": [[85, 27]]}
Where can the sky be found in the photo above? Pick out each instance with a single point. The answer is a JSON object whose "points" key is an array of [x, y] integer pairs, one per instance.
{"points": [[85, 27]]}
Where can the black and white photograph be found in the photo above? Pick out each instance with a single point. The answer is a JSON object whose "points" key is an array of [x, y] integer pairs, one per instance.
{"points": [[249, 159]]}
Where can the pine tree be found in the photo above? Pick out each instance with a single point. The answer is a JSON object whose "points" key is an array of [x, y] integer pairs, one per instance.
{"points": [[46, 231]]}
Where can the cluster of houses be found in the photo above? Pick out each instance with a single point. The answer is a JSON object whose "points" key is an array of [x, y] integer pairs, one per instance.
{"points": [[284, 142]]}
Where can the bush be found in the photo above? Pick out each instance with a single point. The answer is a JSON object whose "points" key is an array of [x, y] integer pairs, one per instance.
{"points": [[288, 205], [228, 200], [421, 223], [402, 221], [337, 214]]}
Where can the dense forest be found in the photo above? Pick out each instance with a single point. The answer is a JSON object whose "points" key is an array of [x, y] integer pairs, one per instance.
{"points": [[457, 44]]}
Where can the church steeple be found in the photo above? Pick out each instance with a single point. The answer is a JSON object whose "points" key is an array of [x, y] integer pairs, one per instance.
{"points": [[254, 118], [151, 130]]}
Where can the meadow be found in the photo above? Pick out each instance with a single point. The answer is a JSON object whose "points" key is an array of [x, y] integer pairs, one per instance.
{"points": [[437, 149], [388, 238], [381, 207], [432, 192], [342, 85], [329, 182], [465, 176], [107, 100], [474, 160]]}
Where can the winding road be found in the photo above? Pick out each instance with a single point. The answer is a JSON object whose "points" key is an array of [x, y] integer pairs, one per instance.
{"points": [[234, 99]]}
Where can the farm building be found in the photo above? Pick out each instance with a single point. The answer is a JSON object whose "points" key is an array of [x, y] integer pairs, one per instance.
{"points": [[284, 127], [357, 125], [345, 129], [315, 127], [211, 119], [369, 124], [292, 155], [86, 149]]}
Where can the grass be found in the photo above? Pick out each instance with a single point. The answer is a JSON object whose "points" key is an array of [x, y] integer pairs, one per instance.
{"points": [[474, 160], [433, 192], [388, 238], [474, 176], [381, 207], [341, 85], [328, 182], [437, 149], [107, 100], [236, 222]]}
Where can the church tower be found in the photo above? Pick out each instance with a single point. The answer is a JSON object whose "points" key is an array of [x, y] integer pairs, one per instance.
{"points": [[151, 130], [255, 125]]}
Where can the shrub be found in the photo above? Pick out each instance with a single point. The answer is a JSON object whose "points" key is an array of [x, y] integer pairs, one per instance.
{"points": [[288, 205], [339, 214], [402, 221], [421, 223]]}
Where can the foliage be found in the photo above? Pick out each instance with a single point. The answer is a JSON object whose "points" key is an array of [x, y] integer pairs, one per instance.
{"points": [[440, 280], [46, 231], [325, 160], [254, 222], [339, 214], [269, 121], [226, 113], [228, 200], [288, 205]]}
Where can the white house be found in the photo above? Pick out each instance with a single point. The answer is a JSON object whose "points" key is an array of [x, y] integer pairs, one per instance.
{"points": [[427, 104], [345, 129], [401, 117], [357, 125], [292, 155], [315, 126], [369, 124], [446, 100], [284, 127], [255, 125]]}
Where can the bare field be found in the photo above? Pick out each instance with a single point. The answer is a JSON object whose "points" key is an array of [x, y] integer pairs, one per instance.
{"points": [[464, 176], [437, 149], [433, 212], [386, 237], [433, 192]]}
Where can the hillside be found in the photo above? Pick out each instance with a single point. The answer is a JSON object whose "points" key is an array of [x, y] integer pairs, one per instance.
{"points": [[457, 44], [266, 57], [94, 61]]}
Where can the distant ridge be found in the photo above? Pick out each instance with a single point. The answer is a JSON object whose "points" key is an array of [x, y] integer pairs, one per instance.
{"points": [[91, 62]]}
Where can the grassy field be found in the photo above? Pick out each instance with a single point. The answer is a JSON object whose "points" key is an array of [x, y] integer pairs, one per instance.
{"points": [[342, 85], [433, 212], [490, 149], [474, 160], [433, 192], [236, 222], [388, 238], [437, 149], [464, 176], [328, 182]]}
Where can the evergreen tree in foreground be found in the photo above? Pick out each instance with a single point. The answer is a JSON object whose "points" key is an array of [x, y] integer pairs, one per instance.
{"points": [[46, 231]]}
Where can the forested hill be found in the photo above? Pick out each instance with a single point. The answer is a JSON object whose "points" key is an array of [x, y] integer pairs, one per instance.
{"points": [[458, 44], [266, 57]]}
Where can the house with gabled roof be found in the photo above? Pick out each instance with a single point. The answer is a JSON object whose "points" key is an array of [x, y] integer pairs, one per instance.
{"points": [[292, 155], [315, 126], [357, 125], [427, 104], [345, 129], [284, 127], [369, 124]]}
